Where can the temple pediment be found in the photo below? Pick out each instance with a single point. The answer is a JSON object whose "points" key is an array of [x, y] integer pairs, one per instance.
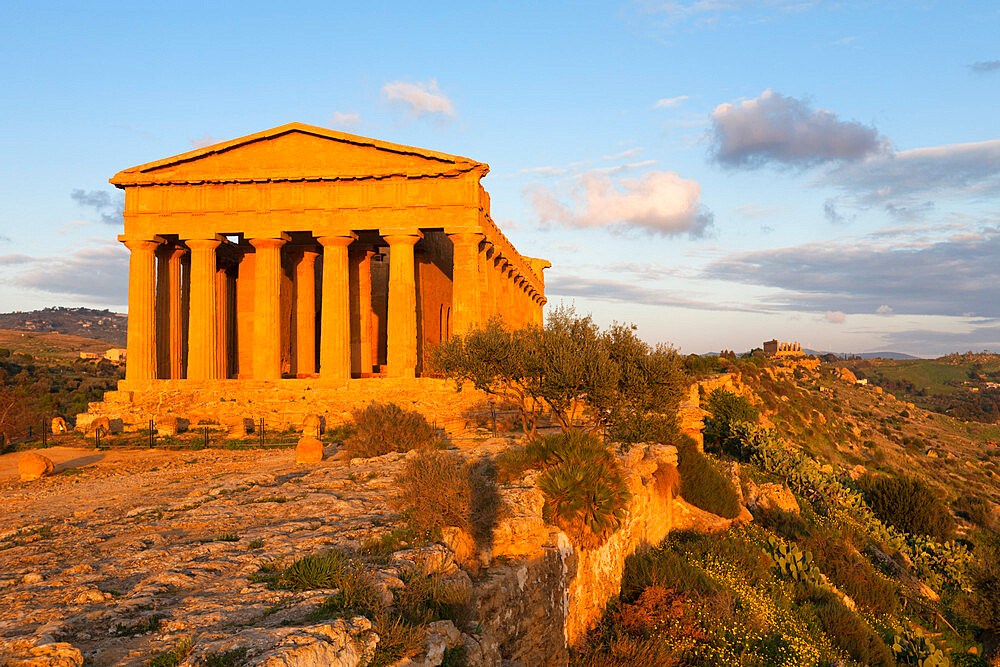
{"points": [[297, 152]]}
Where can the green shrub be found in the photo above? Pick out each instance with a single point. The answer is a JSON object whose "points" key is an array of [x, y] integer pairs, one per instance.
{"points": [[550, 450], [726, 409], [983, 601], [381, 428], [439, 489], [396, 639], [848, 631], [977, 510], [909, 504], [704, 485], [332, 569], [585, 498]]}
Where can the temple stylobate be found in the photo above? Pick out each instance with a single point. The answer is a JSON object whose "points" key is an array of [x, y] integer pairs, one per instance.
{"points": [[302, 252]]}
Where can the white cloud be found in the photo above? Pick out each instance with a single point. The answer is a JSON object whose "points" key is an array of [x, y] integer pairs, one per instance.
{"points": [[344, 119], [657, 202], [419, 98], [835, 316], [670, 102], [884, 309], [775, 129], [205, 140]]}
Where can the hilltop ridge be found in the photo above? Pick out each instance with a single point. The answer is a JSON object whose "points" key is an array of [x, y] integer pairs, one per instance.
{"points": [[103, 325]]}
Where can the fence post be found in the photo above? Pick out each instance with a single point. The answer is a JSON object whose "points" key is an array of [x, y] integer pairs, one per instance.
{"points": [[205, 430], [43, 432], [150, 433], [493, 415], [261, 429]]}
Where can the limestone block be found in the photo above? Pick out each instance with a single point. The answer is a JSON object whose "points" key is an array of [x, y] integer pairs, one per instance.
{"points": [[239, 427], [309, 450], [58, 425], [170, 425], [462, 545], [33, 466], [312, 425]]}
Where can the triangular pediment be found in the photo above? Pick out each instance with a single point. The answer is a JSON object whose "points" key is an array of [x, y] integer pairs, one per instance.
{"points": [[295, 152]]}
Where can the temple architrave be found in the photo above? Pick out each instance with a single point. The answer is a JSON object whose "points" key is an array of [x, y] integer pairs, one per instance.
{"points": [[304, 253], [301, 251]]}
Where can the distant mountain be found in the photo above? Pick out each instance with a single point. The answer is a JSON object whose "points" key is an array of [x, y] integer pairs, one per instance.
{"points": [[866, 355], [87, 322]]}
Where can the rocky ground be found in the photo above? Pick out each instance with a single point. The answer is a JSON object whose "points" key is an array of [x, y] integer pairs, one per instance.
{"points": [[119, 556]]}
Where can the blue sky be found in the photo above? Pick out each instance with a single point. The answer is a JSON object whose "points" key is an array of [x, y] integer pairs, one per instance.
{"points": [[719, 172]]}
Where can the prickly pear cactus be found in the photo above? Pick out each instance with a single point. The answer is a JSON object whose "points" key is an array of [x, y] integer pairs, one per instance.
{"points": [[790, 561], [915, 649]]}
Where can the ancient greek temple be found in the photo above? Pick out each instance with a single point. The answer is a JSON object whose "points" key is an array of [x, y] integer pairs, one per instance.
{"points": [[300, 252]]}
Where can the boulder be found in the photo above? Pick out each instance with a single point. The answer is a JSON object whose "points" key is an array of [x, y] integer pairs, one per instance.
{"points": [[309, 450], [34, 466], [312, 426], [58, 425], [771, 496], [846, 375], [56, 654]]}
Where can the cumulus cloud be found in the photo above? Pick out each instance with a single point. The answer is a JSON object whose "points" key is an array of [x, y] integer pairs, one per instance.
{"points": [[657, 202], [98, 274], [419, 98], [344, 119], [952, 275], [883, 309], [835, 317], [985, 66], [905, 178], [773, 129], [109, 206], [205, 140], [670, 102]]}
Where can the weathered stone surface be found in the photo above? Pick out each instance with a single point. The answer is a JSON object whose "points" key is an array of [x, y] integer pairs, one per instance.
{"points": [[33, 466], [309, 450], [238, 428], [771, 496], [58, 425], [313, 425], [170, 425], [102, 424]]}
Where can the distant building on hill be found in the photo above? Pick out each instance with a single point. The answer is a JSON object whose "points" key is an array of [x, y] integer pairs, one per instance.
{"points": [[776, 348]]}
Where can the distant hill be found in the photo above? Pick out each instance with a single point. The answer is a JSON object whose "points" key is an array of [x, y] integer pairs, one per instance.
{"points": [[86, 322]]}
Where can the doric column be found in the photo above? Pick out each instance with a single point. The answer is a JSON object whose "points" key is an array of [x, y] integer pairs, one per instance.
{"points": [[305, 313], [361, 305], [163, 311], [401, 329], [267, 307], [175, 313], [140, 362], [484, 282], [335, 313], [222, 321], [203, 317], [465, 308]]}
